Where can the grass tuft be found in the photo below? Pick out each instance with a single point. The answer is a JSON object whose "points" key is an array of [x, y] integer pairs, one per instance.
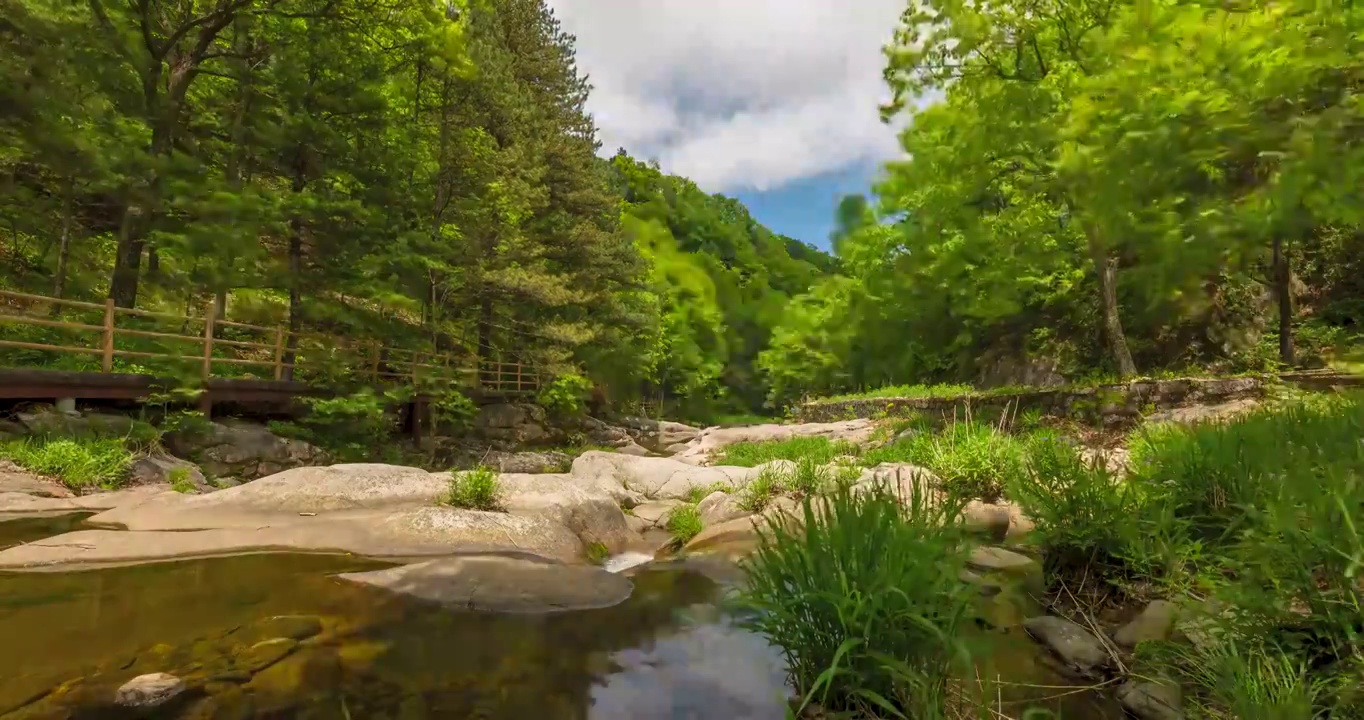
{"points": [[477, 489], [817, 449], [864, 602], [684, 522]]}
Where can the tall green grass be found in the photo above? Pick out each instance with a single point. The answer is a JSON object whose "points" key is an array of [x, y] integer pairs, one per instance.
{"points": [[79, 463], [942, 390], [973, 459], [816, 449], [864, 602], [477, 489]]}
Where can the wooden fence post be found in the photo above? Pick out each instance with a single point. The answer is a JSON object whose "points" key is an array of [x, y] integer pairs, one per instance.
{"points": [[416, 358], [279, 352], [208, 338], [108, 362], [518, 377]]}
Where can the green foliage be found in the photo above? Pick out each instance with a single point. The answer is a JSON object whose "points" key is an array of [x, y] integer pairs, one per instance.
{"points": [[684, 522], [187, 422], [940, 390], [354, 427], [80, 464], [477, 489], [453, 411], [565, 395], [864, 602], [820, 450], [760, 490], [973, 459], [180, 481]]}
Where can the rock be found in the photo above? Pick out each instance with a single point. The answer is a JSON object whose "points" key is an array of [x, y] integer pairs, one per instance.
{"points": [[512, 423], [265, 653], [235, 448], [13, 503], [307, 672], [589, 512], [1147, 700], [149, 691], [632, 479], [704, 446], [988, 586], [719, 507], [675, 448], [632, 448], [988, 519], [502, 584], [281, 497], [1080, 650], [47, 421], [14, 479], [655, 512], [1017, 568], [1155, 622], [737, 536], [163, 469], [528, 462], [638, 524], [293, 627]]}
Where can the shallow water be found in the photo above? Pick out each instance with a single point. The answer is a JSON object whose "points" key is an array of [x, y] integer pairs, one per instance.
{"points": [[68, 640], [28, 529]]}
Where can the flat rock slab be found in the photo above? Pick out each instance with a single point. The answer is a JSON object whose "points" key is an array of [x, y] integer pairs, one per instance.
{"points": [[1155, 622], [502, 584], [20, 502], [632, 480], [411, 533]]}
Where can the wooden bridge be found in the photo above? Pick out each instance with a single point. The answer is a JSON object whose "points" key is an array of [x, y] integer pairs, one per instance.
{"points": [[228, 361]]}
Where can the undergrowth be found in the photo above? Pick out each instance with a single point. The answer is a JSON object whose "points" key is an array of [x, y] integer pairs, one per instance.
{"points": [[684, 523], [816, 449]]}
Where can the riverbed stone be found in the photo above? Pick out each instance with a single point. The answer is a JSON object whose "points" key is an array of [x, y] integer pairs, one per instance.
{"points": [[655, 512], [14, 479], [719, 507], [1155, 622], [710, 441], [987, 519], [265, 653], [639, 478], [1020, 569], [149, 691], [503, 584], [159, 468], [1148, 700], [293, 627], [589, 512], [1082, 652], [527, 461]]}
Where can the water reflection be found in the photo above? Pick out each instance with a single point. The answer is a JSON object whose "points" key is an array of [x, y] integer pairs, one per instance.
{"points": [[370, 654]]}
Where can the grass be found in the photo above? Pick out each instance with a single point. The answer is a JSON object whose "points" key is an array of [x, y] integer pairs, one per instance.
{"points": [[684, 522], [816, 449], [699, 492], [1262, 514], [974, 460], [477, 489], [944, 390], [864, 603], [180, 481], [597, 553], [78, 463]]}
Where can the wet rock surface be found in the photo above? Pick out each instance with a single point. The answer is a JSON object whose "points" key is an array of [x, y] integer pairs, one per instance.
{"points": [[1082, 652]]}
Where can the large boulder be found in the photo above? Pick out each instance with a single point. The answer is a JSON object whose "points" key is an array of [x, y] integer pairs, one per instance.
{"points": [[502, 584], [632, 479], [46, 420], [658, 434], [701, 449], [235, 448], [591, 513], [526, 461], [513, 423], [162, 469]]}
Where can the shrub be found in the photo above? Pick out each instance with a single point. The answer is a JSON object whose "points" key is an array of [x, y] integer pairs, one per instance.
{"points": [[817, 449], [79, 463], [565, 395], [760, 490], [179, 480], [864, 602], [477, 489], [352, 427], [684, 522], [452, 410]]}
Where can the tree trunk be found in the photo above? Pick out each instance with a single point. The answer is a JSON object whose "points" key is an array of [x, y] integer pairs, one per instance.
{"points": [[1106, 270], [127, 258], [1283, 291], [64, 244]]}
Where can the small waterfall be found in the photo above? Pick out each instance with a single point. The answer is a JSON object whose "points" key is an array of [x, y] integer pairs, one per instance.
{"points": [[625, 561]]}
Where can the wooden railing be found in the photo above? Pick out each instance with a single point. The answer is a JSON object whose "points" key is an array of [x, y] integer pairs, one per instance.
{"points": [[277, 352]]}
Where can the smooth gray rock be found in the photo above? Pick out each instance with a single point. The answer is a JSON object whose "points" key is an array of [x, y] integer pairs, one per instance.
{"points": [[1147, 700], [149, 691], [502, 584], [1080, 650], [1155, 622]]}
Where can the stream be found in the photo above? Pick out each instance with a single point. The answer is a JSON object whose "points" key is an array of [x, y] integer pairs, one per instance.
{"points": [[278, 636]]}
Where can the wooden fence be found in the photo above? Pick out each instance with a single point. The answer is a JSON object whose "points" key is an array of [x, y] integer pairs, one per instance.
{"points": [[275, 351]]}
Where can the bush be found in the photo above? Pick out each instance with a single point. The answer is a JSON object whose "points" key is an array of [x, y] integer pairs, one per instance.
{"points": [[820, 450], [354, 428], [477, 489], [565, 395], [864, 602], [684, 522], [79, 463]]}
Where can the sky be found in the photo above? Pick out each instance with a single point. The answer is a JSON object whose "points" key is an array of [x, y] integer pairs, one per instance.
{"points": [[772, 101]]}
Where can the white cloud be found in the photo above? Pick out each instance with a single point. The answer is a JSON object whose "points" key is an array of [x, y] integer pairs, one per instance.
{"points": [[737, 94]]}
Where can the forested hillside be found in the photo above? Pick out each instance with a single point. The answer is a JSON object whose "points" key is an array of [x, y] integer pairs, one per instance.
{"points": [[1102, 189], [419, 173]]}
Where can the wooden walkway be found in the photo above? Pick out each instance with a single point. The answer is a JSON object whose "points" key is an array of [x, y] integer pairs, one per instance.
{"points": [[129, 354]]}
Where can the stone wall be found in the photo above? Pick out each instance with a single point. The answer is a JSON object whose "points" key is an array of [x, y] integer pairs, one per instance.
{"points": [[1107, 404]]}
